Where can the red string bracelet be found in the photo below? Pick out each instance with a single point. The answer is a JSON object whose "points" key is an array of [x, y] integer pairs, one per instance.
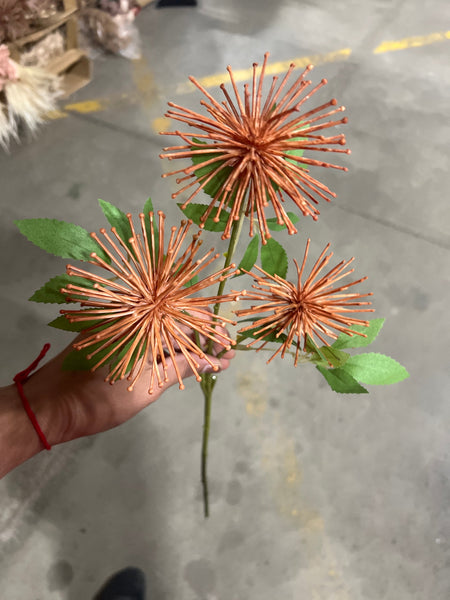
{"points": [[21, 378]]}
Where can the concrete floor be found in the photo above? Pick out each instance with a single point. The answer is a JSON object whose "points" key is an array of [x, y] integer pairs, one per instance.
{"points": [[314, 495]]}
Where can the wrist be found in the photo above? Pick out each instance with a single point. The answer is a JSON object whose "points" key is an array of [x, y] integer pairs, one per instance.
{"points": [[54, 409], [18, 440]]}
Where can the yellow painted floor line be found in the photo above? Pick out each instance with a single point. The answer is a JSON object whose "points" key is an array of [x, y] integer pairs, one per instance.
{"points": [[98, 105], [85, 107], [56, 114], [88, 106], [412, 42], [271, 69]]}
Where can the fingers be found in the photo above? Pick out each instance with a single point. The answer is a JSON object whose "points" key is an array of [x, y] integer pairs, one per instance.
{"points": [[220, 333], [177, 369], [180, 368]]}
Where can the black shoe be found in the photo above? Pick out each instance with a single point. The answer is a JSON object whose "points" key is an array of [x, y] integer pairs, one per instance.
{"points": [[163, 3], [128, 584]]}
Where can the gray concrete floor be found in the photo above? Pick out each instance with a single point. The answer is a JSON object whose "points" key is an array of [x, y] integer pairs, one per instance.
{"points": [[314, 495]]}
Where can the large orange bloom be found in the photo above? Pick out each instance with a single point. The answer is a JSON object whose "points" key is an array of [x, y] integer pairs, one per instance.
{"points": [[250, 146], [305, 308], [141, 310]]}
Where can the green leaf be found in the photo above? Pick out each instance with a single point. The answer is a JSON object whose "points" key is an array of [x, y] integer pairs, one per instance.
{"points": [[148, 208], [315, 351], [357, 341], [60, 238], [117, 219], [196, 211], [250, 255], [50, 292], [340, 381], [325, 355], [270, 337], [63, 323], [295, 152], [335, 358], [192, 281], [77, 360], [375, 369], [274, 259], [218, 181], [273, 225], [116, 358]]}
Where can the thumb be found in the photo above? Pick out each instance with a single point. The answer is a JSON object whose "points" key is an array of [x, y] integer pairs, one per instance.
{"points": [[181, 369], [212, 364]]}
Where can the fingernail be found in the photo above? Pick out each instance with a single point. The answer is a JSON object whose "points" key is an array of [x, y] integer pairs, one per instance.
{"points": [[211, 368]]}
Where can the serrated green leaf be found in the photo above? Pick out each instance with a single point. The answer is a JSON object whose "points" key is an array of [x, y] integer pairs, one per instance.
{"points": [[60, 238], [250, 255], [50, 292], [340, 381], [273, 225], [274, 259], [196, 211], [357, 341], [375, 369], [63, 323], [117, 219]]}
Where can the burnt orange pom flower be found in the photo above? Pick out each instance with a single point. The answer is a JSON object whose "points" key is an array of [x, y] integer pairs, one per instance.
{"points": [[141, 311], [309, 308], [255, 147]]}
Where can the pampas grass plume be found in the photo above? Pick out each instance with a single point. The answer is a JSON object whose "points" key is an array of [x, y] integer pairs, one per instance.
{"points": [[32, 96]]}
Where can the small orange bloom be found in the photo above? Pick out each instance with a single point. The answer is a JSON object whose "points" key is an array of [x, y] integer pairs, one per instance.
{"points": [[141, 310], [309, 308], [252, 145]]}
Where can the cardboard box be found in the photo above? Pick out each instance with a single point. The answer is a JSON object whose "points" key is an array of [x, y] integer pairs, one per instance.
{"points": [[75, 68], [39, 34], [70, 7], [69, 29]]}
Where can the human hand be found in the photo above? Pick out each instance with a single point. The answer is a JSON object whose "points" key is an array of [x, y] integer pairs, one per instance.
{"points": [[72, 404]]}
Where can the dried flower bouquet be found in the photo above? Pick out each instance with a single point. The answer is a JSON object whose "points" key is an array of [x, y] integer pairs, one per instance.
{"points": [[142, 295]]}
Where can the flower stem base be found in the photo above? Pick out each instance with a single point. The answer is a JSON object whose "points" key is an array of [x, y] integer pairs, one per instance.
{"points": [[207, 385]]}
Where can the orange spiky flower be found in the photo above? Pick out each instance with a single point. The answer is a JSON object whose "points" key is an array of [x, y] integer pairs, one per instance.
{"points": [[251, 145], [144, 311], [302, 309]]}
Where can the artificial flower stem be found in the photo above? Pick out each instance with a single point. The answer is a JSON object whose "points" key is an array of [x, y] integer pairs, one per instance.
{"points": [[207, 387], [208, 380], [235, 234]]}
